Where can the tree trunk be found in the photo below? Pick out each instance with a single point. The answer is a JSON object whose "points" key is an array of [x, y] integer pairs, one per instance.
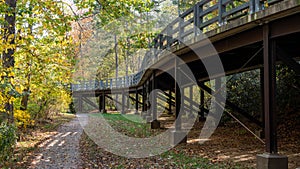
{"points": [[25, 98], [7, 55], [116, 56]]}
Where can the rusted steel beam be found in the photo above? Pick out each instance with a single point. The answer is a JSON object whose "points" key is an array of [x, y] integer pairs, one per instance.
{"points": [[178, 98], [285, 26], [201, 113], [144, 98], [170, 101], [123, 103], [89, 102], [136, 101], [114, 99], [233, 106], [262, 95], [269, 91], [80, 104], [100, 103], [290, 62], [104, 103], [154, 97]]}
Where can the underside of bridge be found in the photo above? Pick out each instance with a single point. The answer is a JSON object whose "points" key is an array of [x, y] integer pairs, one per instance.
{"points": [[258, 44]]}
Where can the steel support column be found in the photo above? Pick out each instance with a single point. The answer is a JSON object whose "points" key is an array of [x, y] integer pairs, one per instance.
{"points": [[100, 102], [178, 135], [201, 113], [218, 95], [144, 98], [123, 102], [170, 101], [262, 94], [148, 98], [136, 101], [269, 92], [155, 124], [80, 104], [154, 97], [128, 101], [191, 113], [270, 159], [103, 103], [178, 98]]}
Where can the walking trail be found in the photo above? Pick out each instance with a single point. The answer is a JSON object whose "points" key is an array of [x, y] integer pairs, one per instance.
{"points": [[60, 150]]}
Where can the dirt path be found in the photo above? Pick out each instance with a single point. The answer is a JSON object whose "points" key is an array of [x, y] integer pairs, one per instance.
{"points": [[60, 150]]}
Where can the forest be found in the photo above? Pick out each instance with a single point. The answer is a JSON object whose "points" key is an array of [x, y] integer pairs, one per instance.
{"points": [[47, 45]]}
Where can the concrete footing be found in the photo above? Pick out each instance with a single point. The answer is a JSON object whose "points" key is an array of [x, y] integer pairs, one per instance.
{"points": [[202, 119], [271, 161], [144, 115], [178, 137], [136, 112], [260, 133], [148, 119], [155, 124]]}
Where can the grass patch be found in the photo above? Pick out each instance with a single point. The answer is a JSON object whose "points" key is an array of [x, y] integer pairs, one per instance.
{"points": [[56, 121], [129, 124]]}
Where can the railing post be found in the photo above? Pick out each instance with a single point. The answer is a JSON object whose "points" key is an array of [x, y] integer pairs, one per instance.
{"points": [[91, 85], [160, 41], [96, 84], [200, 19], [251, 6], [101, 86], [196, 19], [82, 85], [181, 30], [222, 9], [258, 5], [125, 81], [86, 85], [169, 36], [110, 84]]}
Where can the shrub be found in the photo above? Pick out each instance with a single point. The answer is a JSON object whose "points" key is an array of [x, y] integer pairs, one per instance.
{"points": [[23, 119], [7, 141]]}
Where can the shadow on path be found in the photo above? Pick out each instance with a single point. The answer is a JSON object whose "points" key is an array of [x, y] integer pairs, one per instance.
{"points": [[60, 150]]}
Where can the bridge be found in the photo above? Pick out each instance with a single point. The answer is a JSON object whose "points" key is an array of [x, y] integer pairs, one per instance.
{"points": [[249, 35]]}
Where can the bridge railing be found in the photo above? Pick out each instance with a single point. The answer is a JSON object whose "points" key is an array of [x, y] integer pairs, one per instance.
{"points": [[113, 83], [203, 16]]}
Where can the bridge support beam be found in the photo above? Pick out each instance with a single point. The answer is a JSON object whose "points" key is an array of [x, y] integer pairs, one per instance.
{"points": [[270, 159], [136, 101], [123, 103], [178, 135], [170, 102], [261, 133], [143, 99], [191, 113], [201, 113], [102, 107], [147, 115], [155, 124], [80, 104], [103, 104]]}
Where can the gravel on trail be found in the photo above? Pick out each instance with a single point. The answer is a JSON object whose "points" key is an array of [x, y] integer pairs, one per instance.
{"points": [[60, 150]]}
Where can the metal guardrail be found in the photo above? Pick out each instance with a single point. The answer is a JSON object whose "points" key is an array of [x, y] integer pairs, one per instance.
{"points": [[113, 83], [201, 16]]}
